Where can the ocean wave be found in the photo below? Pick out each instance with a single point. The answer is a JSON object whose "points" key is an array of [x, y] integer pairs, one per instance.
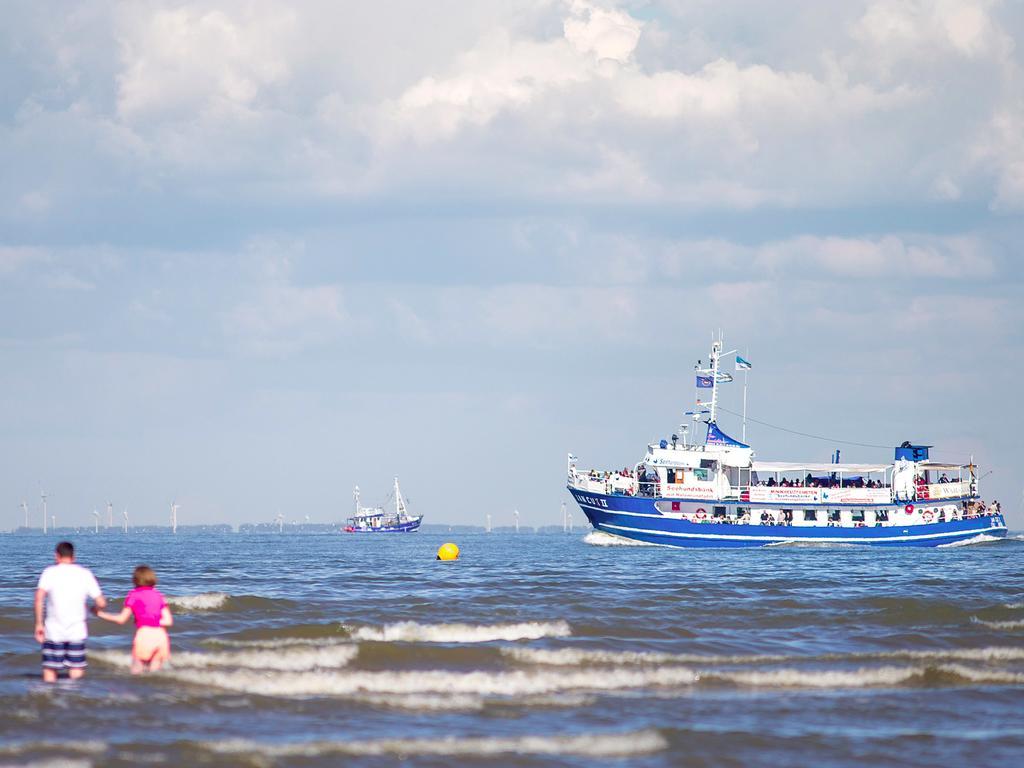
{"points": [[603, 539], [986, 675], [412, 632], [571, 657], [204, 601], [864, 677], [981, 538], [297, 659], [611, 745], [1008, 625], [355, 683]]}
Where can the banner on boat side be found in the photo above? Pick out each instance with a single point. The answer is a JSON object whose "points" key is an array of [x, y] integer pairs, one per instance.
{"points": [[673, 491], [804, 495], [948, 490]]}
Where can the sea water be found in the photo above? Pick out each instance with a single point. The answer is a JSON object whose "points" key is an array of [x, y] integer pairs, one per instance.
{"points": [[313, 650]]}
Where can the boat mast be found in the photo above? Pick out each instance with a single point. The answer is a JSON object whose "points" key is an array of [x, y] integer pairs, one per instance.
{"points": [[716, 349], [399, 501], [355, 495]]}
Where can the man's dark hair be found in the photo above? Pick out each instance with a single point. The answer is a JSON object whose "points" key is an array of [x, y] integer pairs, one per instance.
{"points": [[65, 549]]}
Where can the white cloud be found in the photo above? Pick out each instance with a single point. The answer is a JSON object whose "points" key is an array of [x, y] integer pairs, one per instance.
{"points": [[189, 58], [604, 33], [278, 318]]}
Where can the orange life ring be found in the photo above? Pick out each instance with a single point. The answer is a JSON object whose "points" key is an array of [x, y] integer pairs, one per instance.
{"points": [[700, 514], [909, 509], [928, 515]]}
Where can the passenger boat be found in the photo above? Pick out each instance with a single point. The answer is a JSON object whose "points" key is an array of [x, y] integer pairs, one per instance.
{"points": [[380, 520], [718, 494]]}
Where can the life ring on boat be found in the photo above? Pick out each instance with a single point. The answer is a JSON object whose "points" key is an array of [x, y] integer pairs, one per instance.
{"points": [[909, 509], [700, 514], [928, 515]]}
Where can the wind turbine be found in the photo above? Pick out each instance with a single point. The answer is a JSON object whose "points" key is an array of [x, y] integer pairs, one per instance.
{"points": [[570, 522], [174, 517], [280, 522], [43, 494], [24, 508], [125, 513], [53, 522], [515, 514], [110, 514], [488, 522], [565, 520], [97, 516]]}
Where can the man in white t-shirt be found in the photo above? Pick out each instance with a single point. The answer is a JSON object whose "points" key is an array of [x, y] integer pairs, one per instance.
{"points": [[63, 590]]}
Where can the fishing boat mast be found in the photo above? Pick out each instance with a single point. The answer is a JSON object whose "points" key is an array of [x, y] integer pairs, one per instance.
{"points": [[399, 502]]}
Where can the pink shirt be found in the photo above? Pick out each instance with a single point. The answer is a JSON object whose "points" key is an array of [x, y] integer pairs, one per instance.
{"points": [[146, 604]]}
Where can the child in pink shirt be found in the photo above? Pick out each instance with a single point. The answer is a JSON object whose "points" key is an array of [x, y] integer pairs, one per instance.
{"points": [[152, 645]]}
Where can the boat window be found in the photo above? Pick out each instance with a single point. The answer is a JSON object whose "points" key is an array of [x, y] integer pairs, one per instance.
{"points": [[671, 475], [833, 515], [858, 516], [882, 515], [700, 474], [707, 463], [810, 515]]}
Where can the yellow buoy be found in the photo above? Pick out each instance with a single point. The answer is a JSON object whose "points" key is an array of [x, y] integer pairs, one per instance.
{"points": [[448, 552]]}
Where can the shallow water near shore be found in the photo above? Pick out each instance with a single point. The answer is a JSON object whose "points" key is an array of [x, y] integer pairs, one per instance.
{"points": [[530, 650]]}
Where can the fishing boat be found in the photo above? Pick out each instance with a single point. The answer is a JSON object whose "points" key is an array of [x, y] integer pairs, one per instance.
{"points": [[717, 493], [381, 520]]}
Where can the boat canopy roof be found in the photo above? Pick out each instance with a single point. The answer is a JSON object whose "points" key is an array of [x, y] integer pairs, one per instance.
{"points": [[796, 466], [939, 465]]}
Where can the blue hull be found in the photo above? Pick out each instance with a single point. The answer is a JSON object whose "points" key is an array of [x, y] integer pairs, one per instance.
{"points": [[637, 518], [409, 527]]}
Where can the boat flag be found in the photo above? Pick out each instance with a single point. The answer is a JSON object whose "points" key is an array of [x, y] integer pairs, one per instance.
{"points": [[572, 459], [704, 382], [742, 365]]}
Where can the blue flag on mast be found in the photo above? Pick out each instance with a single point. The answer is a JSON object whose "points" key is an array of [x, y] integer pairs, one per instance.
{"points": [[742, 365], [705, 382]]}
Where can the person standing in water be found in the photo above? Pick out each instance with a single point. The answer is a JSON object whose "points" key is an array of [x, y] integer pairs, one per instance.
{"points": [[151, 647], [60, 613]]}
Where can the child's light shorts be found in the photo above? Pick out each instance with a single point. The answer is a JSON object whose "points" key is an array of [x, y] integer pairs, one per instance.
{"points": [[151, 644]]}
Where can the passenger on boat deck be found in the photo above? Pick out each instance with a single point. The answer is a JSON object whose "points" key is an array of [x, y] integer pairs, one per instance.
{"points": [[943, 479]]}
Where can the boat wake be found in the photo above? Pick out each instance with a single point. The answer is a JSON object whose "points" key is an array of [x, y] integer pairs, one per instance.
{"points": [[981, 538], [602, 539]]}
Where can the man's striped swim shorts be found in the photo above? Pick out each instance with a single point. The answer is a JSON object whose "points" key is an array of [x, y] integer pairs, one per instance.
{"points": [[64, 655]]}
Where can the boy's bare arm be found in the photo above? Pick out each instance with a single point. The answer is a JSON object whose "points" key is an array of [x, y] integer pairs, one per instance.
{"points": [[40, 630], [166, 619]]}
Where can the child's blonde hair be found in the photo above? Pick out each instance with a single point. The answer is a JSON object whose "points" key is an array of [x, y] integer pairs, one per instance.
{"points": [[144, 576]]}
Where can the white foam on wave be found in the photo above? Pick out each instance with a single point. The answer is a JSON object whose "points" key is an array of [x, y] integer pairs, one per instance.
{"points": [[412, 632], [281, 642], [610, 745], [204, 601], [295, 660], [603, 539], [1013, 606], [1009, 625], [975, 675], [572, 657], [355, 683], [829, 678], [981, 538]]}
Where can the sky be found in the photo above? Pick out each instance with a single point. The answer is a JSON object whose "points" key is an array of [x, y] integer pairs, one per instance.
{"points": [[256, 252]]}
